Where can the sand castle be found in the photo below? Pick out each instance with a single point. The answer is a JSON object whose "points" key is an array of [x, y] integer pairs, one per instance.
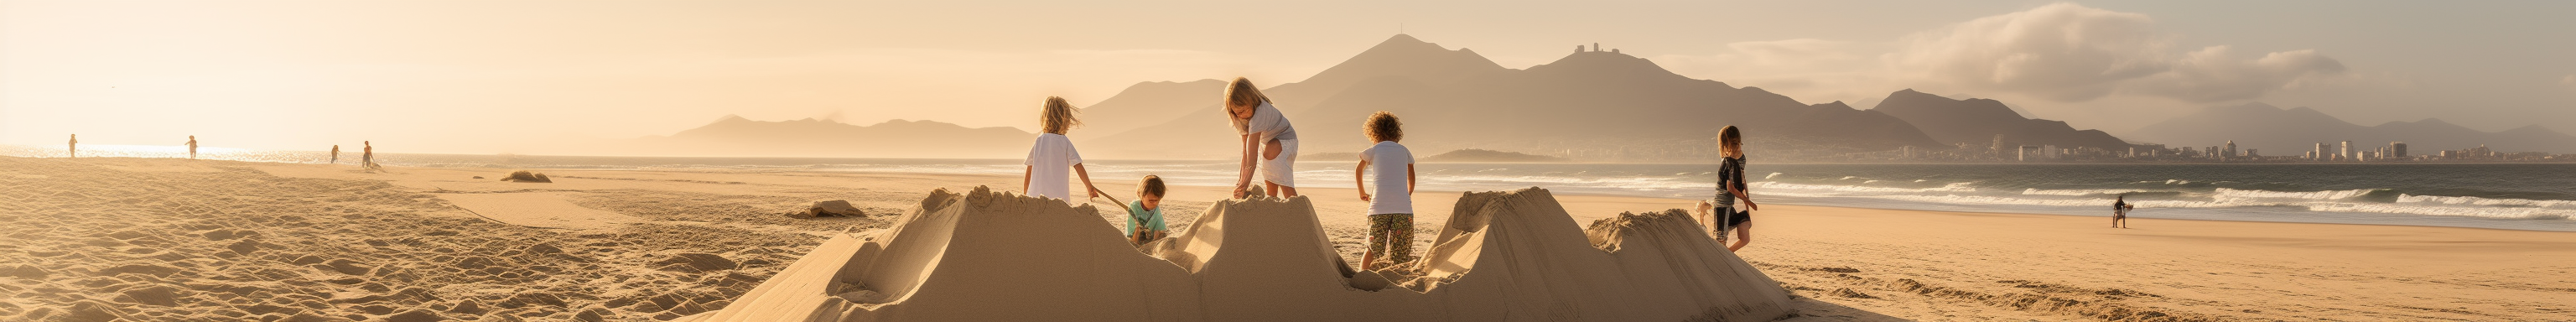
{"points": [[1516, 256]]}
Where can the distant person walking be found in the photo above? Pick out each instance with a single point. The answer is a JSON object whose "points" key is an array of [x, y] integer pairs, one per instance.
{"points": [[335, 154], [74, 150], [192, 147], [1722, 214], [367, 157], [1053, 154], [2120, 211], [1269, 142]]}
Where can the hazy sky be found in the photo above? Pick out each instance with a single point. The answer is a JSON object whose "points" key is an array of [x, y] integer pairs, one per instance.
{"points": [[503, 76]]}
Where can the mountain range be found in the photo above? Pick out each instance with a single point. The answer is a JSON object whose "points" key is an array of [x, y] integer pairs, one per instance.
{"points": [[1590, 105], [2297, 130]]}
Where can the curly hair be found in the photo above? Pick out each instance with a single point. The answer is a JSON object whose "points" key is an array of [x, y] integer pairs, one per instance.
{"points": [[1383, 126]]}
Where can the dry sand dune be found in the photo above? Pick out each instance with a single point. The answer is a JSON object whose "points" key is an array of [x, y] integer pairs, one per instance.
{"points": [[1512, 257]]}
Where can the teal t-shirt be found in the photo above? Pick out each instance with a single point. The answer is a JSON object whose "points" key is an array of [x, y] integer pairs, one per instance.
{"points": [[1139, 217]]}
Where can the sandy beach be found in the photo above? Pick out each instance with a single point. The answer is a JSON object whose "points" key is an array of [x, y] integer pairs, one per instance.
{"points": [[96, 239]]}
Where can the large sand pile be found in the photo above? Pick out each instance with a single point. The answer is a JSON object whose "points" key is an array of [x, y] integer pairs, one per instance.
{"points": [[990, 256]]}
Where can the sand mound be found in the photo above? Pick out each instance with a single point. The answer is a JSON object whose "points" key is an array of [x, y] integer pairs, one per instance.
{"points": [[526, 176], [989, 256]]}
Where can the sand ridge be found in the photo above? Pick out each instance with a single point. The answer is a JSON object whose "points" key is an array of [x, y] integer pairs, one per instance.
{"points": [[958, 256]]}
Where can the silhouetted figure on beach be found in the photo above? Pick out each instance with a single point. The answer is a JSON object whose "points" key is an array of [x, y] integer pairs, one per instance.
{"points": [[335, 154], [192, 147], [2120, 211], [74, 150], [1723, 214], [367, 157]]}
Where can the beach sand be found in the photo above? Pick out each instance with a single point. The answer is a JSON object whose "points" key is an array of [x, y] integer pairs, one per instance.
{"points": [[93, 239]]}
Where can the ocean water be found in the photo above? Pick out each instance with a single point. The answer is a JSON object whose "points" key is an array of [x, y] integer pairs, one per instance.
{"points": [[2499, 196]]}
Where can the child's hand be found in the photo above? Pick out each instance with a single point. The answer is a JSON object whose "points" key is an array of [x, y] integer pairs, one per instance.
{"points": [[1364, 197], [1238, 192]]}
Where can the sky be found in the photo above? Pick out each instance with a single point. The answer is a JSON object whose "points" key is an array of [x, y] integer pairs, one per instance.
{"points": [[513, 76]]}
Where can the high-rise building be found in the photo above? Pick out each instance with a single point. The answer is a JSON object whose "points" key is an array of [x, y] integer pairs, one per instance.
{"points": [[2231, 149], [2319, 154], [2397, 150], [2346, 154]]}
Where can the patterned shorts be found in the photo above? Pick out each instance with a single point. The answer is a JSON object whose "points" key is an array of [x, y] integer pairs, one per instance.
{"points": [[1392, 236]]}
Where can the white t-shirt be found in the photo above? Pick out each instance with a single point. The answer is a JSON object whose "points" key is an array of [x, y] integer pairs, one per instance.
{"points": [[1388, 163], [1050, 161]]}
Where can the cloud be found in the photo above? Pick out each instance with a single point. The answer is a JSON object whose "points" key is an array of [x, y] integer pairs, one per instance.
{"points": [[2213, 75], [2072, 53], [1811, 70]]}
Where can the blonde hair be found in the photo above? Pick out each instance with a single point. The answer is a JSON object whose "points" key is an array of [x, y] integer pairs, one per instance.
{"points": [[1730, 142], [1057, 116], [1152, 185], [1383, 126], [1241, 92]]}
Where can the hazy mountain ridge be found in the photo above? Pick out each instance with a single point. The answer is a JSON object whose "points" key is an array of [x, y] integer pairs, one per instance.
{"points": [[737, 136], [1976, 122], [2297, 130], [1592, 105]]}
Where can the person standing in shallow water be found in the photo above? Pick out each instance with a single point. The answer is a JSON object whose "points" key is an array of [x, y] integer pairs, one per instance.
{"points": [[192, 147], [1724, 214], [1269, 142], [335, 154], [74, 150]]}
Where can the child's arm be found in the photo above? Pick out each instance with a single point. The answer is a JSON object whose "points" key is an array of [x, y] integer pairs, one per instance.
{"points": [[1408, 179], [1245, 179], [1024, 178], [1747, 196], [1086, 181], [1360, 175]]}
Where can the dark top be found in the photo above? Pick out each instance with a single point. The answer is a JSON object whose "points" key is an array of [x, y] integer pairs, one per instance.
{"points": [[2118, 205], [1730, 173]]}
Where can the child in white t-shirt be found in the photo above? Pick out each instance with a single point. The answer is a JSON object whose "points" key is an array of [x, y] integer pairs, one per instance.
{"points": [[1053, 154], [1390, 212]]}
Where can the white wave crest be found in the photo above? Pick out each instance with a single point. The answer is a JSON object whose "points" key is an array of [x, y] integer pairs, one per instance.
{"points": [[2450, 200], [2224, 193], [2077, 192], [1953, 187]]}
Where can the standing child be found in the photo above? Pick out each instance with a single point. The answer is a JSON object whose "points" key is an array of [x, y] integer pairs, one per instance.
{"points": [[1733, 208], [1054, 153], [192, 147], [1390, 214], [1145, 215]]}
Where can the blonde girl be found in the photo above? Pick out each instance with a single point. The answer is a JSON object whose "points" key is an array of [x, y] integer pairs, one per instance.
{"points": [[1053, 154], [1269, 143]]}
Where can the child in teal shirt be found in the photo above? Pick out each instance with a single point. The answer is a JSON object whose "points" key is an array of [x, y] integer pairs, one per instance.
{"points": [[1145, 215]]}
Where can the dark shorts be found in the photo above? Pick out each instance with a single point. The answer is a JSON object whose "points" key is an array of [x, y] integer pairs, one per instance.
{"points": [[1740, 217]]}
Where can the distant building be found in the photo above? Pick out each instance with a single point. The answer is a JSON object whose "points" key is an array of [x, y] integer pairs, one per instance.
{"points": [[2319, 154], [2253, 153], [2347, 151], [1614, 50], [1578, 49], [2397, 150], [2231, 149]]}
